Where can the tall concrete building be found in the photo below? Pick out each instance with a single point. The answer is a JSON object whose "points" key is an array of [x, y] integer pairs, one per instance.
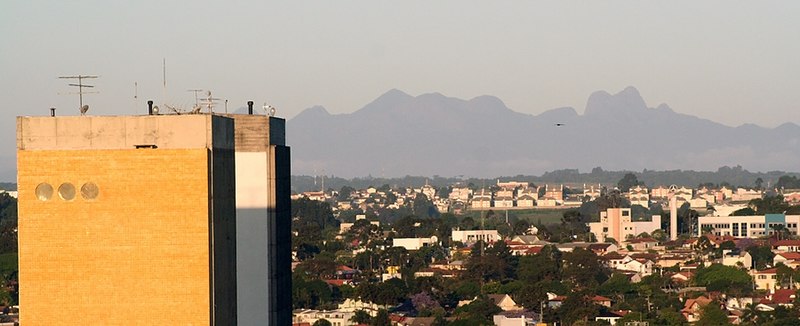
{"points": [[618, 223], [127, 220], [263, 221]]}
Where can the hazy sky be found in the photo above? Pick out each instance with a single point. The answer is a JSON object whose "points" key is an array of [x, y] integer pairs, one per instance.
{"points": [[729, 61]]}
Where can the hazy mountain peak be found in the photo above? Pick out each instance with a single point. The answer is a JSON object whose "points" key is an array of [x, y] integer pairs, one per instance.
{"points": [[603, 103], [787, 126], [559, 115], [664, 107], [398, 134], [391, 99], [488, 102], [314, 112]]}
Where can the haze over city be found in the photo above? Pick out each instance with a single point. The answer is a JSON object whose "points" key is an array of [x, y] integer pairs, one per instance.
{"points": [[732, 63]]}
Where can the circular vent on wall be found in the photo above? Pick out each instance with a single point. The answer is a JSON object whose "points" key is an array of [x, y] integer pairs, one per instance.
{"points": [[44, 191], [89, 190], [66, 191]]}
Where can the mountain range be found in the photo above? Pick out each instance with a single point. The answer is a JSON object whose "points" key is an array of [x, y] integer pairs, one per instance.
{"points": [[398, 134]]}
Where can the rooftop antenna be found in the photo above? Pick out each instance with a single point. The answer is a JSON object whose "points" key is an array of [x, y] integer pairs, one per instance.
{"points": [[135, 96], [80, 85], [209, 102], [196, 99], [164, 80]]}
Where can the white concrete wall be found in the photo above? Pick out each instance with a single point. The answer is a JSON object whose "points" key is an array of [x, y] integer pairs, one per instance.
{"points": [[251, 237]]}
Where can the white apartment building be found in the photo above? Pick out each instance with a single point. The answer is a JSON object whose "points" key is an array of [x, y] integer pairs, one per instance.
{"points": [[472, 236], [748, 226]]}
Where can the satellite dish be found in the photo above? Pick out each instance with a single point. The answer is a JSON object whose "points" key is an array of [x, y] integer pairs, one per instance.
{"points": [[84, 108], [269, 109]]}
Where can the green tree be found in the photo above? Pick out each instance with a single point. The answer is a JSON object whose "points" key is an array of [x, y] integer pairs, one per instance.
{"points": [[762, 256], [8, 224], [577, 307], [583, 269], [381, 318], [628, 181], [520, 227], [305, 210], [769, 205], [322, 322], [727, 279], [618, 286], [361, 317], [480, 310], [345, 192], [712, 315]]}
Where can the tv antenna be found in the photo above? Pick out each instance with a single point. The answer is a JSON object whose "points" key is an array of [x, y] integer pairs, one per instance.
{"points": [[80, 85], [196, 99], [209, 102]]}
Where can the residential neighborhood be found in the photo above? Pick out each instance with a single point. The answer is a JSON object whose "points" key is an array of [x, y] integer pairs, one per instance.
{"points": [[495, 255]]}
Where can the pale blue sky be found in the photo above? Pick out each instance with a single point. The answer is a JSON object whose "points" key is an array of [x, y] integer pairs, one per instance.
{"points": [[730, 61]]}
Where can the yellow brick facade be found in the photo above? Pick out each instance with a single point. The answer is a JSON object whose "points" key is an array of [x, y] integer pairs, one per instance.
{"points": [[137, 254]]}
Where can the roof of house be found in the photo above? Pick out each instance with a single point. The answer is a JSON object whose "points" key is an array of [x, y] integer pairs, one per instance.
{"points": [[613, 256], [792, 255], [782, 296], [768, 271], [787, 242], [699, 301], [600, 298], [599, 246], [642, 240]]}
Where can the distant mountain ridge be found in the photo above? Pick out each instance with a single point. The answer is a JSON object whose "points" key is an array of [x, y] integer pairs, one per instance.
{"points": [[398, 134]]}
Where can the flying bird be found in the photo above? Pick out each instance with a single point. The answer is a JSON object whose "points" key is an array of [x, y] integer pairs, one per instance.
{"points": [[560, 124], [84, 108]]}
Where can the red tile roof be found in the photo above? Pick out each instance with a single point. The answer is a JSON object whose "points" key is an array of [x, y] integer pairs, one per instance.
{"points": [[786, 243]]}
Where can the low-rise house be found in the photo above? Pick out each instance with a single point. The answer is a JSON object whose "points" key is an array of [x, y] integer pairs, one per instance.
{"points": [[602, 248], [736, 258], [414, 243], [311, 316], [639, 196], [792, 197], [682, 277], [780, 297], [613, 259], [431, 272], [672, 259], [455, 265], [611, 317], [601, 300], [501, 320], [787, 245], [504, 302], [743, 194], [471, 236], [315, 195], [504, 202], [692, 307], [353, 305], [547, 202], [766, 279], [642, 244], [791, 259]]}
